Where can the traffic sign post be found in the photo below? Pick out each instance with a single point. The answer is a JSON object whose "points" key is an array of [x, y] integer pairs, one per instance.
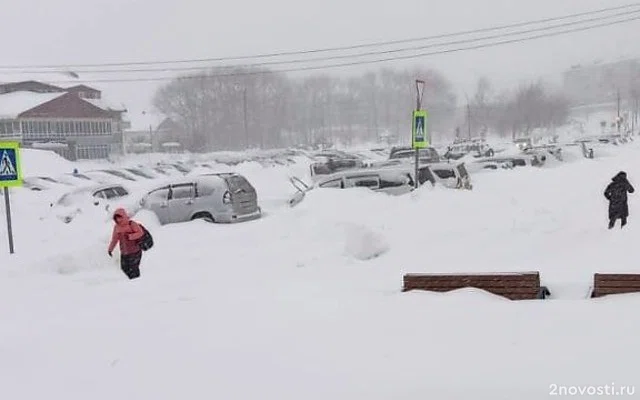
{"points": [[10, 176], [418, 129]]}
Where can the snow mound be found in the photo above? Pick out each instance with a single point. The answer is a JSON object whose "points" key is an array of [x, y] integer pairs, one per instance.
{"points": [[363, 243], [44, 163]]}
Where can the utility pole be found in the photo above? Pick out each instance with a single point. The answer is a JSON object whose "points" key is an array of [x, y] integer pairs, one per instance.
{"points": [[469, 119], [246, 127], [618, 120], [419, 93]]}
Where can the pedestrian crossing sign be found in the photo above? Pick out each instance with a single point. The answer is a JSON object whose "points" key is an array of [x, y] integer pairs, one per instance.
{"points": [[419, 138], [10, 168]]}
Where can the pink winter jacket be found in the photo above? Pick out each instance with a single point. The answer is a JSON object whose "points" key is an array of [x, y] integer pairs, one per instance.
{"points": [[126, 232]]}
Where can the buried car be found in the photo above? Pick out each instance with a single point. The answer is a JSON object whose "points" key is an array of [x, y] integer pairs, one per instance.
{"points": [[219, 197], [392, 179], [75, 202]]}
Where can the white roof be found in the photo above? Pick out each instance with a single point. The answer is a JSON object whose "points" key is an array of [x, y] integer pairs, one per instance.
{"points": [[106, 105], [62, 80], [13, 104]]}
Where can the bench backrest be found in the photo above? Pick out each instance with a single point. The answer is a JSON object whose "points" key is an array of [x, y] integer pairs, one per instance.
{"points": [[514, 286], [604, 284]]}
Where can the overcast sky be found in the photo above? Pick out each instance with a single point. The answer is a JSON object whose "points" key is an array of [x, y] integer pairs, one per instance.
{"points": [[106, 31]]}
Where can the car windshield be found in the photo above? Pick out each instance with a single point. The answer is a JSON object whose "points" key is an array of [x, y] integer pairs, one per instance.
{"points": [[139, 173], [118, 174], [444, 173]]}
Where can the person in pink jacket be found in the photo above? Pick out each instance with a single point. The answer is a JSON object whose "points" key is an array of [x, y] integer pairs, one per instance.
{"points": [[127, 233]]}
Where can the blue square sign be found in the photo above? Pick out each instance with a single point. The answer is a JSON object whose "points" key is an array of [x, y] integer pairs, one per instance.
{"points": [[10, 171]]}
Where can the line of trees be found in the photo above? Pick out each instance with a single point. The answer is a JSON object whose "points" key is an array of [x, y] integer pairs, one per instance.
{"points": [[516, 113], [240, 108], [283, 111]]}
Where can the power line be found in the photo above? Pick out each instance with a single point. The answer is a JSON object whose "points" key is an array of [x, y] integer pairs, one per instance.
{"points": [[357, 55], [354, 63], [331, 49]]}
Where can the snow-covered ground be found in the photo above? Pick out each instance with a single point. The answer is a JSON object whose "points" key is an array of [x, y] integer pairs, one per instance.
{"points": [[306, 303]]}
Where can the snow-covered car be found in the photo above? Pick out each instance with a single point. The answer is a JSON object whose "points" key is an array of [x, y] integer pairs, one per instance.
{"points": [[76, 179], [214, 197], [452, 175], [477, 149], [426, 155], [319, 170], [102, 198], [386, 180], [39, 183], [140, 173], [489, 164]]}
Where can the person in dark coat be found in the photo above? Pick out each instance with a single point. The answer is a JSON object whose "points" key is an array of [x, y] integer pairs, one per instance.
{"points": [[616, 193]]}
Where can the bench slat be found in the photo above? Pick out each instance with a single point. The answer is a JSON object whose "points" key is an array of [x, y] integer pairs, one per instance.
{"points": [[607, 291], [616, 277], [617, 284]]}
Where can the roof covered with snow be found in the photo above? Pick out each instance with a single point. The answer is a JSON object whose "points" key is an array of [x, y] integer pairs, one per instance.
{"points": [[106, 105], [13, 104]]}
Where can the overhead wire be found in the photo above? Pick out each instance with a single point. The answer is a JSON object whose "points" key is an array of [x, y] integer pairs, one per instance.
{"points": [[330, 49], [354, 63], [351, 56]]}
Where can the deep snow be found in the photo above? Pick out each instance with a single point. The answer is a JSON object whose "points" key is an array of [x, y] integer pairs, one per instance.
{"points": [[306, 302]]}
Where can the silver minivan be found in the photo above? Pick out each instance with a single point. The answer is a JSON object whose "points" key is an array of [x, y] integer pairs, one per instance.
{"points": [[223, 197]]}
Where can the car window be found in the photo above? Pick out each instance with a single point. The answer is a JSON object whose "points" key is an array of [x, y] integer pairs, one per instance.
{"points": [[238, 182], [394, 180], [180, 168], [185, 191], [370, 181], [444, 173], [335, 183], [108, 193], [120, 191], [160, 170], [161, 194], [46, 178]]}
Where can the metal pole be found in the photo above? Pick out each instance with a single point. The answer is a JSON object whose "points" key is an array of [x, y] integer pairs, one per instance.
{"points": [[418, 108], [618, 122], [469, 119], [7, 209], [246, 128]]}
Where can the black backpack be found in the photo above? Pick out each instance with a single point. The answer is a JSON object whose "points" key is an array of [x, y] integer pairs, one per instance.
{"points": [[146, 241]]}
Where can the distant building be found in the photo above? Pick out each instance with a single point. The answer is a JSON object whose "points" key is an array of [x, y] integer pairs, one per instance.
{"points": [[599, 83], [75, 122], [167, 136]]}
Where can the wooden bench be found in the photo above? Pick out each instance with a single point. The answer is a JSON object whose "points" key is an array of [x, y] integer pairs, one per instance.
{"points": [[604, 284], [513, 286]]}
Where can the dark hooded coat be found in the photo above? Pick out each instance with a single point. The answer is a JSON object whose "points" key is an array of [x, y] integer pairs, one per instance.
{"points": [[616, 193]]}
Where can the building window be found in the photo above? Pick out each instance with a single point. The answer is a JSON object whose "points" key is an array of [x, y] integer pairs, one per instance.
{"points": [[90, 152]]}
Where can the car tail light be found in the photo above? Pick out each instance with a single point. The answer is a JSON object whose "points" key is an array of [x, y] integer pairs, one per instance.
{"points": [[226, 198]]}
